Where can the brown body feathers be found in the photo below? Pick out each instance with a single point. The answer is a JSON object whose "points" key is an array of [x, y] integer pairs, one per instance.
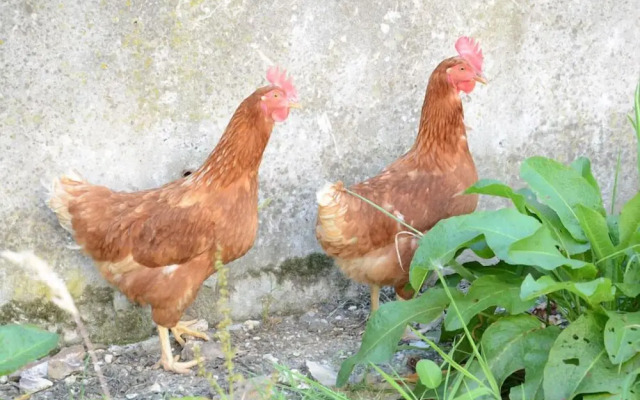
{"points": [[158, 246], [421, 188]]}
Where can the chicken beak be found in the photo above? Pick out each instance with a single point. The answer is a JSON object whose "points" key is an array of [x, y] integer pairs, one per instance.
{"points": [[295, 105], [481, 79]]}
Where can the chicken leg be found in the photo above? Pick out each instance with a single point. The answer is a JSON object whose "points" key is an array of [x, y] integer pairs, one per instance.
{"points": [[167, 361], [375, 298], [182, 328]]}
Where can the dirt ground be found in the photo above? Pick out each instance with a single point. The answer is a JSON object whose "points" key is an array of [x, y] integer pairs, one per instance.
{"points": [[326, 334]]}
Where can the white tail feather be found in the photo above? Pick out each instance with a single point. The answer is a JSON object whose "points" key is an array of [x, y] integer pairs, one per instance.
{"points": [[328, 195]]}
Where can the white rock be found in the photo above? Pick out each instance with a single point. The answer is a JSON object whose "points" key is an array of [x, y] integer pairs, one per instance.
{"points": [[250, 324], [270, 358], [34, 384], [155, 388], [36, 371], [108, 358], [66, 362], [131, 396], [353, 308], [3, 379], [322, 373], [70, 380]]}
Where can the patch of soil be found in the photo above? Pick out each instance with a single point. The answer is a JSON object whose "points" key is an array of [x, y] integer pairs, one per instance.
{"points": [[327, 334]]}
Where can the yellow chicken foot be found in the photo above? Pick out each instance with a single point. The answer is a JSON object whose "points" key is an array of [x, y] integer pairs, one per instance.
{"points": [[182, 328], [167, 360], [375, 298]]}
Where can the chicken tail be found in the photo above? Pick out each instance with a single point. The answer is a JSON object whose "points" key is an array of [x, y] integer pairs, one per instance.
{"points": [[332, 209], [59, 197]]}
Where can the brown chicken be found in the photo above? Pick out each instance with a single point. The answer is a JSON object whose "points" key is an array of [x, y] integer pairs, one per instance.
{"points": [[158, 246], [420, 188]]}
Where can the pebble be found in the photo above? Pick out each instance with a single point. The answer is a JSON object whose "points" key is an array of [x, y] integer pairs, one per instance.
{"points": [[108, 358], [257, 338], [250, 324], [235, 327], [70, 380], [155, 388], [296, 354], [3, 379], [32, 380], [322, 373], [131, 396], [209, 350], [352, 308], [270, 358]]}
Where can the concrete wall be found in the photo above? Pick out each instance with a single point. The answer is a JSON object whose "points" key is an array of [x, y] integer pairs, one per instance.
{"points": [[131, 93]]}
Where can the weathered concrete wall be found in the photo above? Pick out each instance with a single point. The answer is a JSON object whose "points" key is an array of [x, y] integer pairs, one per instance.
{"points": [[131, 93]]}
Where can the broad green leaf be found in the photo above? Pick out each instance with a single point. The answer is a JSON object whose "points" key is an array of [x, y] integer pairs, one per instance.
{"points": [[595, 291], [519, 342], [595, 227], [550, 219], [515, 343], [540, 250], [475, 394], [481, 248], [21, 344], [561, 188], [613, 222], [622, 336], [386, 326], [631, 280], [629, 222], [438, 246], [582, 165], [483, 293], [496, 188], [578, 362], [429, 373]]}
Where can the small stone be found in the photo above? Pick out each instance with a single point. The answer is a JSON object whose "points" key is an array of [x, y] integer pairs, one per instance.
{"points": [[250, 324], [32, 379], [151, 345], [322, 373], [209, 350], [108, 358], [338, 317], [296, 354], [155, 388], [34, 384], [131, 396], [320, 326], [352, 308], [71, 337], [257, 338], [235, 327], [270, 358], [70, 380], [3, 379], [35, 371], [66, 362], [116, 350]]}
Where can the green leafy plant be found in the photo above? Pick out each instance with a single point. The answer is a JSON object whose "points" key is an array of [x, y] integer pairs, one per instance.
{"points": [[558, 244], [21, 344]]}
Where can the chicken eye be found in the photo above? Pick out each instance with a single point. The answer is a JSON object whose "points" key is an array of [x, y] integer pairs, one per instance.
{"points": [[275, 95], [461, 68]]}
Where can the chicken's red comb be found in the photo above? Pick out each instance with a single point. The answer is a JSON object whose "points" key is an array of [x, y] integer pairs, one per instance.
{"points": [[279, 78], [469, 49]]}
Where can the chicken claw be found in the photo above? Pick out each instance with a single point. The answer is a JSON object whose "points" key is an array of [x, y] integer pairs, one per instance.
{"points": [[170, 362], [182, 328]]}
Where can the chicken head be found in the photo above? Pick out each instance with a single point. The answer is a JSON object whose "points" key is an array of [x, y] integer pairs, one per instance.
{"points": [[277, 102]]}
